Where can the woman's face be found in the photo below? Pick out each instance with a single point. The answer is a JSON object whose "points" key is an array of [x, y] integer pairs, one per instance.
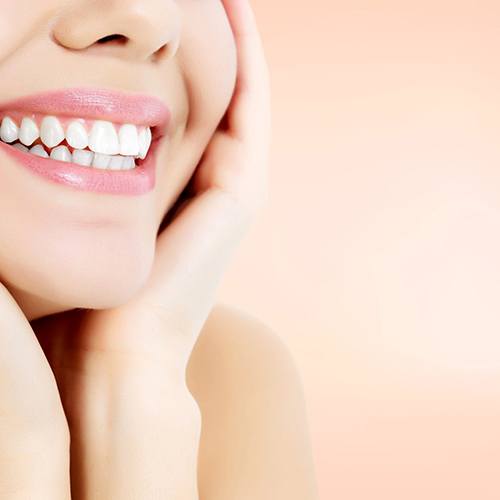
{"points": [[63, 247]]}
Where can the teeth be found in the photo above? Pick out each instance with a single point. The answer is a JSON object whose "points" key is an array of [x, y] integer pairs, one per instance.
{"points": [[9, 131], [39, 151], [116, 162], [28, 132], [109, 146], [129, 140], [103, 138], [128, 163], [76, 135], [20, 146], [101, 160], [61, 153], [83, 157], [51, 131], [144, 142]]}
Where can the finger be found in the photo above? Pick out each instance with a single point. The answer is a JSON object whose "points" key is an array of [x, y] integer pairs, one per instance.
{"points": [[249, 112], [193, 251], [27, 383], [34, 450], [191, 256]]}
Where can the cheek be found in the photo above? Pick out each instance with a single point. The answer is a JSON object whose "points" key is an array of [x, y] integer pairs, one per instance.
{"points": [[207, 64], [208, 60]]}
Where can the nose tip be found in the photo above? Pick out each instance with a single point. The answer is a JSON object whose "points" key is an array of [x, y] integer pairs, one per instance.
{"points": [[141, 30]]}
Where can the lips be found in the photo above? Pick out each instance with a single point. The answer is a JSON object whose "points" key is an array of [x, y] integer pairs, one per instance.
{"points": [[96, 104]]}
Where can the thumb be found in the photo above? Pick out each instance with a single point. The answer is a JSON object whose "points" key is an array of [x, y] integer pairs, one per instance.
{"points": [[28, 390], [34, 450]]}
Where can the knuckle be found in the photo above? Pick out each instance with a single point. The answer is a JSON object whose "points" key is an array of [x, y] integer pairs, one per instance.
{"points": [[187, 417], [193, 409], [246, 205], [248, 197]]}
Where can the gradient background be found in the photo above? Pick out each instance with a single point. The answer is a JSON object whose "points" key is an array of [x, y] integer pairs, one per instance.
{"points": [[377, 259]]}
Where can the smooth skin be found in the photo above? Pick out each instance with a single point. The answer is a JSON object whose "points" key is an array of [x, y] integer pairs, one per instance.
{"points": [[167, 396]]}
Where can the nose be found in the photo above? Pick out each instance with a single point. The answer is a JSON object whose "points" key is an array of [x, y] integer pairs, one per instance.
{"points": [[136, 30]]}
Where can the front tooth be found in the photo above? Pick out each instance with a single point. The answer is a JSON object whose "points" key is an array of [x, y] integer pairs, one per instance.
{"points": [[129, 140], [144, 142], [38, 150], [116, 162], [9, 131], [51, 131], [61, 153], [83, 157], [76, 135], [101, 160], [28, 132], [103, 138]]}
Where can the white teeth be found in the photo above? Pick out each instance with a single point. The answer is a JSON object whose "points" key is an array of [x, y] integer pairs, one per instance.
{"points": [[109, 146], [83, 157], [128, 163], [101, 160], [129, 140], [103, 138], [76, 135], [144, 142], [61, 153], [20, 146], [51, 131], [9, 131], [28, 132], [39, 151], [116, 162]]}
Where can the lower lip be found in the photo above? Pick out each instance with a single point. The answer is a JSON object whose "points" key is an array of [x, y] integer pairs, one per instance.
{"points": [[137, 181]]}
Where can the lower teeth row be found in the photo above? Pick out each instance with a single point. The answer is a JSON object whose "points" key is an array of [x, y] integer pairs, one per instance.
{"points": [[83, 157]]}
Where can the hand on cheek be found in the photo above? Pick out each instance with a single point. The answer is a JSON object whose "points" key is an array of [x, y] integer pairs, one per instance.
{"points": [[121, 372]]}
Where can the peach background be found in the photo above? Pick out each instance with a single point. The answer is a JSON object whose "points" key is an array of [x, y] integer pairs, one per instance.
{"points": [[377, 259]]}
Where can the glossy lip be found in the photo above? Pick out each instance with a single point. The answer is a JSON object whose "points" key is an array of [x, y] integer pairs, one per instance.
{"points": [[97, 104]]}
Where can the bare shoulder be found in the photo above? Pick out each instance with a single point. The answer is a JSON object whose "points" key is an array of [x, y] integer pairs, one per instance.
{"points": [[255, 439]]}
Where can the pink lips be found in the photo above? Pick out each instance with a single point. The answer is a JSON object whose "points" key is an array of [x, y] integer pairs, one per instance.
{"points": [[97, 104]]}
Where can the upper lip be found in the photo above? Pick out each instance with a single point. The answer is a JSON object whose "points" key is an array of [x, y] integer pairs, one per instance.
{"points": [[98, 104]]}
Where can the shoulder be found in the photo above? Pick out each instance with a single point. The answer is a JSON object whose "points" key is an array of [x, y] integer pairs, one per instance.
{"points": [[233, 339], [254, 441]]}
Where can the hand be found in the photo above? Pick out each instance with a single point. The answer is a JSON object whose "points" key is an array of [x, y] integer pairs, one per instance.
{"points": [[134, 425], [34, 435]]}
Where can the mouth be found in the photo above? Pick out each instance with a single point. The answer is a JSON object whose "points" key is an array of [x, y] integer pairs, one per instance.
{"points": [[89, 139]]}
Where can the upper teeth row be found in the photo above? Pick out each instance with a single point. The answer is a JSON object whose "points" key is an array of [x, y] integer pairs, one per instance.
{"points": [[103, 137]]}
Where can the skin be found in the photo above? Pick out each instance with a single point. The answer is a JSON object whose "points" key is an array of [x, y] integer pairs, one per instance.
{"points": [[104, 386]]}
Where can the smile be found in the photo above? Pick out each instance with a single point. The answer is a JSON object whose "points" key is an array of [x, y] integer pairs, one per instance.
{"points": [[91, 139]]}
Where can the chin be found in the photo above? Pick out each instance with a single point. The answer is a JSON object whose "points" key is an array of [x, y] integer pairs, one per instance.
{"points": [[103, 283], [81, 271]]}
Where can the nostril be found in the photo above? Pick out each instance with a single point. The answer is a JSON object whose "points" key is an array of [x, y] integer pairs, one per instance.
{"points": [[120, 39], [160, 53]]}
